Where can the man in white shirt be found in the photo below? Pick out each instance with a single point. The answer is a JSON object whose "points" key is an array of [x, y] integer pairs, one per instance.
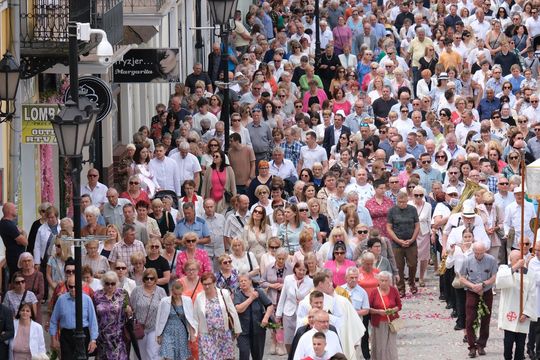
{"points": [[452, 148], [284, 168], [96, 190], [188, 164], [532, 112], [321, 323], [165, 171], [467, 124], [503, 197], [326, 34], [533, 23], [512, 218], [480, 25], [364, 189], [312, 153], [467, 219], [203, 113], [397, 160]]}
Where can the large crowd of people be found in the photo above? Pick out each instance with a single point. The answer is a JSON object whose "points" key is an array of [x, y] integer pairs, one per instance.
{"points": [[390, 140]]}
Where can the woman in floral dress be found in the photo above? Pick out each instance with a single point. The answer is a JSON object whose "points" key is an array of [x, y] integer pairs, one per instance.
{"points": [[175, 324], [112, 308], [213, 307]]}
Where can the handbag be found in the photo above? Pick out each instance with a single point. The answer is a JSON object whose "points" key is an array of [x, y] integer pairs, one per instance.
{"points": [[256, 279], [227, 195], [138, 327], [230, 319], [456, 283], [394, 325]]}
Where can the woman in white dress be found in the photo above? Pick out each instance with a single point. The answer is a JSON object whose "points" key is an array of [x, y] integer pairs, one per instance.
{"points": [[140, 167]]}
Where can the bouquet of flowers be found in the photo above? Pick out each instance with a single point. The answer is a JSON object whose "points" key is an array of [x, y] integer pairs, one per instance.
{"points": [[481, 311]]}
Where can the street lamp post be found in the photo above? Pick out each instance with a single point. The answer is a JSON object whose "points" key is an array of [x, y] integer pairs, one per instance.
{"points": [[222, 12], [317, 30], [10, 75], [73, 127]]}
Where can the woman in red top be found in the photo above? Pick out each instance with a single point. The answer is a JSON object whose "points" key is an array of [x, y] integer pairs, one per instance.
{"points": [[134, 192], [367, 273], [378, 206], [219, 179], [385, 305]]}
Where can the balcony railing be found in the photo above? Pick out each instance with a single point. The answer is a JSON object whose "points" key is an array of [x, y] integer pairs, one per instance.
{"points": [[143, 6]]}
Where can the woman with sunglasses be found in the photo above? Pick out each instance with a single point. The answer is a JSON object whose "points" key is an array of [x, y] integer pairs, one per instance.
{"points": [[155, 261], [495, 154], [112, 311], [289, 231], [34, 279], [423, 241], [18, 294], [137, 259], [337, 234], [134, 191], [217, 321], [339, 264], [441, 161], [192, 252], [218, 180], [257, 231], [227, 275], [498, 127], [124, 282], [514, 164], [309, 224], [36, 225], [339, 81], [144, 301]]}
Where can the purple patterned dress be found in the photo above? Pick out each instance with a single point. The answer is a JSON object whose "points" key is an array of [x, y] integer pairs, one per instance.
{"points": [[111, 317]]}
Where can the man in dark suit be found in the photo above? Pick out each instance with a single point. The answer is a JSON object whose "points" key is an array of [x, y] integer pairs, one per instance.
{"points": [[7, 331], [333, 132], [214, 63]]}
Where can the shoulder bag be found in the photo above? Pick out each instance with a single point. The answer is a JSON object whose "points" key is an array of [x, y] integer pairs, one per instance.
{"points": [[230, 319], [138, 328], [256, 279], [394, 325], [227, 195]]}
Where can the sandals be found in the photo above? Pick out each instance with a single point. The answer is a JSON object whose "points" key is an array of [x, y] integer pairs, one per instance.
{"points": [[421, 283], [414, 290]]}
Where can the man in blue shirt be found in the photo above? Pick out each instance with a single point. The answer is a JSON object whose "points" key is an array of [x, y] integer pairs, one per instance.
{"points": [[488, 104], [63, 321], [360, 302], [191, 223], [427, 174]]}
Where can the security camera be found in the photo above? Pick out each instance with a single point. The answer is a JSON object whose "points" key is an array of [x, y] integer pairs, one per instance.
{"points": [[105, 60]]}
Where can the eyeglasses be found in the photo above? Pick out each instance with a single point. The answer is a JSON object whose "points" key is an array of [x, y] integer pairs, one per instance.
{"points": [[411, 187], [18, 282], [507, 87], [91, 175], [207, 284], [58, 246], [394, 182], [134, 183], [503, 183], [149, 278], [362, 232], [426, 162], [418, 195], [339, 252], [226, 262], [274, 247], [70, 271], [440, 157], [453, 173], [191, 241], [496, 117], [488, 204], [216, 145], [513, 157], [71, 287], [303, 210], [258, 211], [534, 101], [121, 268], [537, 129], [298, 106], [110, 284], [523, 121], [154, 246]]}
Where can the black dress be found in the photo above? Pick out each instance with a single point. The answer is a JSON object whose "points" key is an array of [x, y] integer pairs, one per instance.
{"points": [[327, 74], [161, 265]]}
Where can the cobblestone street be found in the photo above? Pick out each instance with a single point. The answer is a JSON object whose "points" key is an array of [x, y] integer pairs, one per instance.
{"points": [[429, 330]]}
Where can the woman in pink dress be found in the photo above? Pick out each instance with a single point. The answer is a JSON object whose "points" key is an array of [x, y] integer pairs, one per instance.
{"points": [[339, 264], [219, 180]]}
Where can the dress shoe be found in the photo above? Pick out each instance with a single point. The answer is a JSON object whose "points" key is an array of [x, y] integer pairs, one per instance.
{"points": [[458, 327], [454, 314], [472, 353], [414, 290], [481, 351], [442, 298]]}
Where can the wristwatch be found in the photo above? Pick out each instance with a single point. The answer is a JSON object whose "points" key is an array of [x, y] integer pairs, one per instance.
{"points": [[483, 285]]}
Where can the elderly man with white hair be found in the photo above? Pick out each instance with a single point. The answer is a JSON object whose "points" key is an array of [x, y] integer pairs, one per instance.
{"points": [[478, 275], [188, 165]]}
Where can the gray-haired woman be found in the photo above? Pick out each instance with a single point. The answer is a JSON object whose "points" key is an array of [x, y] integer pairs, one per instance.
{"points": [[112, 309], [385, 304]]}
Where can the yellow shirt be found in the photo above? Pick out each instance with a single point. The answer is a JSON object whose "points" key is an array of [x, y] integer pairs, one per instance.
{"points": [[450, 59], [417, 49]]}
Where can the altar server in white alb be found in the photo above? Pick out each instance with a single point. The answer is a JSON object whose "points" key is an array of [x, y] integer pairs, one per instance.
{"points": [[514, 324]]}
